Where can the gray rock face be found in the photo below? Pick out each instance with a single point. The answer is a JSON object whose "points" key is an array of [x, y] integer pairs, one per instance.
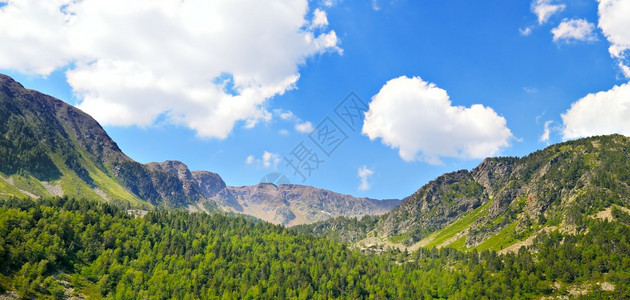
{"points": [[209, 183], [184, 183]]}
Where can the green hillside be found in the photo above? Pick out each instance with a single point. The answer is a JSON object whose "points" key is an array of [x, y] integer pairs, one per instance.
{"points": [[49, 148], [504, 200], [60, 247]]}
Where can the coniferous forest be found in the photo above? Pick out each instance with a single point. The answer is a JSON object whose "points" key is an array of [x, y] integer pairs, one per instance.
{"points": [[60, 247]]}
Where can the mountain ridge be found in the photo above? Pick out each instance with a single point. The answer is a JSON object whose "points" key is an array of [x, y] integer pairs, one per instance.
{"points": [[502, 201], [50, 148]]}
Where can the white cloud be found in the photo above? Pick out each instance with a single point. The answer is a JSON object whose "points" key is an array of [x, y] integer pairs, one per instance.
{"points": [[605, 112], [203, 64], [375, 5], [300, 125], [624, 69], [525, 31], [284, 114], [330, 3], [268, 160], [544, 9], [283, 132], [614, 23], [306, 127], [545, 136], [319, 19], [364, 173], [418, 118], [574, 29]]}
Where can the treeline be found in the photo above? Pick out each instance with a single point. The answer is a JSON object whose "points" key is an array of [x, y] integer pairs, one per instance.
{"points": [[48, 246]]}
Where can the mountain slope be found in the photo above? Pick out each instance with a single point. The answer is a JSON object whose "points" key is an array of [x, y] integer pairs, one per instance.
{"points": [[291, 204], [50, 148], [505, 200]]}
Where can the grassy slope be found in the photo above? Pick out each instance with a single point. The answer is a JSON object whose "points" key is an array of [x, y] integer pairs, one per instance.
{"points": [[501, 239], [111, 188], [71, 185], [105, 182], [442, 235], [8, 190], [29, 184]]}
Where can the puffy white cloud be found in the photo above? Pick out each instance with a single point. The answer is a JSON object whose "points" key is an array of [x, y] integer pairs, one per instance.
{"points": [[284, 114], [203, 64], [300, 125], [600, 113], [418, 118], [574, 29], [545, 136], [268, 160], [614, 23], [319, 19], [306, 127], [544, 9], [364, 173], [525, 31]]}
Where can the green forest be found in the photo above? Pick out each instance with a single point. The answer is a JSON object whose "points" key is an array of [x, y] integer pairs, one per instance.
{"points": [[59, 247]]}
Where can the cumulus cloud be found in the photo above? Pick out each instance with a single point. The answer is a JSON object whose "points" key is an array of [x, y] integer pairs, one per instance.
{"points": [[545, 136], [418, 118], [203, 64], [268, 160], [600, 113], [306, 127], [544, 9], [300, 125], [284, 114], [525, 31], [364, 173], [614, 23], [574, 29], [320, 19]]}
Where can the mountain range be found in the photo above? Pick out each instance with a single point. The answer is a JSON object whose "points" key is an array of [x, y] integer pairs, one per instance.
{"points": [[50, 148], [504, 202], [556, 223]]}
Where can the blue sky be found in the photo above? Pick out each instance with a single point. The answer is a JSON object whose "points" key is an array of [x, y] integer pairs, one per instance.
{"points": [[237, 87]]}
